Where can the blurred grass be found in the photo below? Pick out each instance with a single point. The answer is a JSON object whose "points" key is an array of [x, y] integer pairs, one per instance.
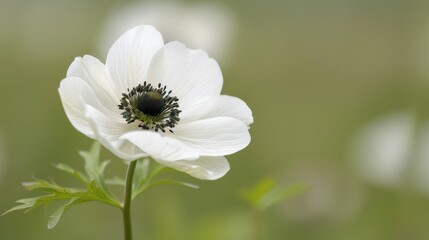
{"points": [[313, 73]]}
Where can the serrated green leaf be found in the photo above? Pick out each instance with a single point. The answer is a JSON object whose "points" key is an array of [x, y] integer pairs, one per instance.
{"points": [[59, 193], [44, 186], [95, 170], [66, 168], [25, 204], [94, 192], [101, 182], [56, 216], [95, 188], [92, 159]]}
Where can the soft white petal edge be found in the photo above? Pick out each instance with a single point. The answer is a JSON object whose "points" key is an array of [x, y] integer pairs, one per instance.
{"points": [[205, 168], [214, 136], [229, 106], [129, 57], [75, 93], [159, 146], [108, 133], [95, 73]]}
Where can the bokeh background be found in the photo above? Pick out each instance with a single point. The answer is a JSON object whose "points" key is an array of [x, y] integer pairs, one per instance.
{"points": [[339, 91]]}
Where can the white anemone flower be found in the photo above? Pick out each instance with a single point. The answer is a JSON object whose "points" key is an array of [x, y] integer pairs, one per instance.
{"points": [[209, 26], [393, 151], [159, 101], [382, 150]]}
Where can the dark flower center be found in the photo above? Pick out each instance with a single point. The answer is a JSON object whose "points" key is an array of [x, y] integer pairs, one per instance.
{"points": [[154, 107], [151, 103]]}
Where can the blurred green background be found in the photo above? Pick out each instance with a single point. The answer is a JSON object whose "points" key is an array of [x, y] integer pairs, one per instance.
{"points": [[313, 72]]}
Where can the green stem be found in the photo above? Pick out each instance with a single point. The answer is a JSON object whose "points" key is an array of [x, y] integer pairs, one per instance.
{"points": [[126, 209]]}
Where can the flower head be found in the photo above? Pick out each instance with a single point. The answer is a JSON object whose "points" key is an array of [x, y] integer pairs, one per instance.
{"points": [[159, 101], [206, 25], [393, 151]]}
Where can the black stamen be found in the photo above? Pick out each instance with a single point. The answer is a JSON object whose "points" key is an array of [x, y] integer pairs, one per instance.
{"points": [[153, 107]]}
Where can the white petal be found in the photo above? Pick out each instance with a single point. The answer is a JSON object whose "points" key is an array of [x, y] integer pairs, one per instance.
{"points": [[92, 71], [75, 94], [228, 106], [108, 131], [382, 149], [159, 146], [205, 168], [214, 136], [191, 75], [129, 58]]}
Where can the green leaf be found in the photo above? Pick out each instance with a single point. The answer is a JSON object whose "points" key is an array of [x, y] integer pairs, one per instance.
{"points": [[55, 217], [140, 176], [66, 168], [94, 188], [173, 182], [141, 171], [146, 178], [95, 169], [266, 193], [254, 195], [92, 159], [280, 194], [116, 181], [55, 192], [95, 193], [26, 203], [95, 185]]}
